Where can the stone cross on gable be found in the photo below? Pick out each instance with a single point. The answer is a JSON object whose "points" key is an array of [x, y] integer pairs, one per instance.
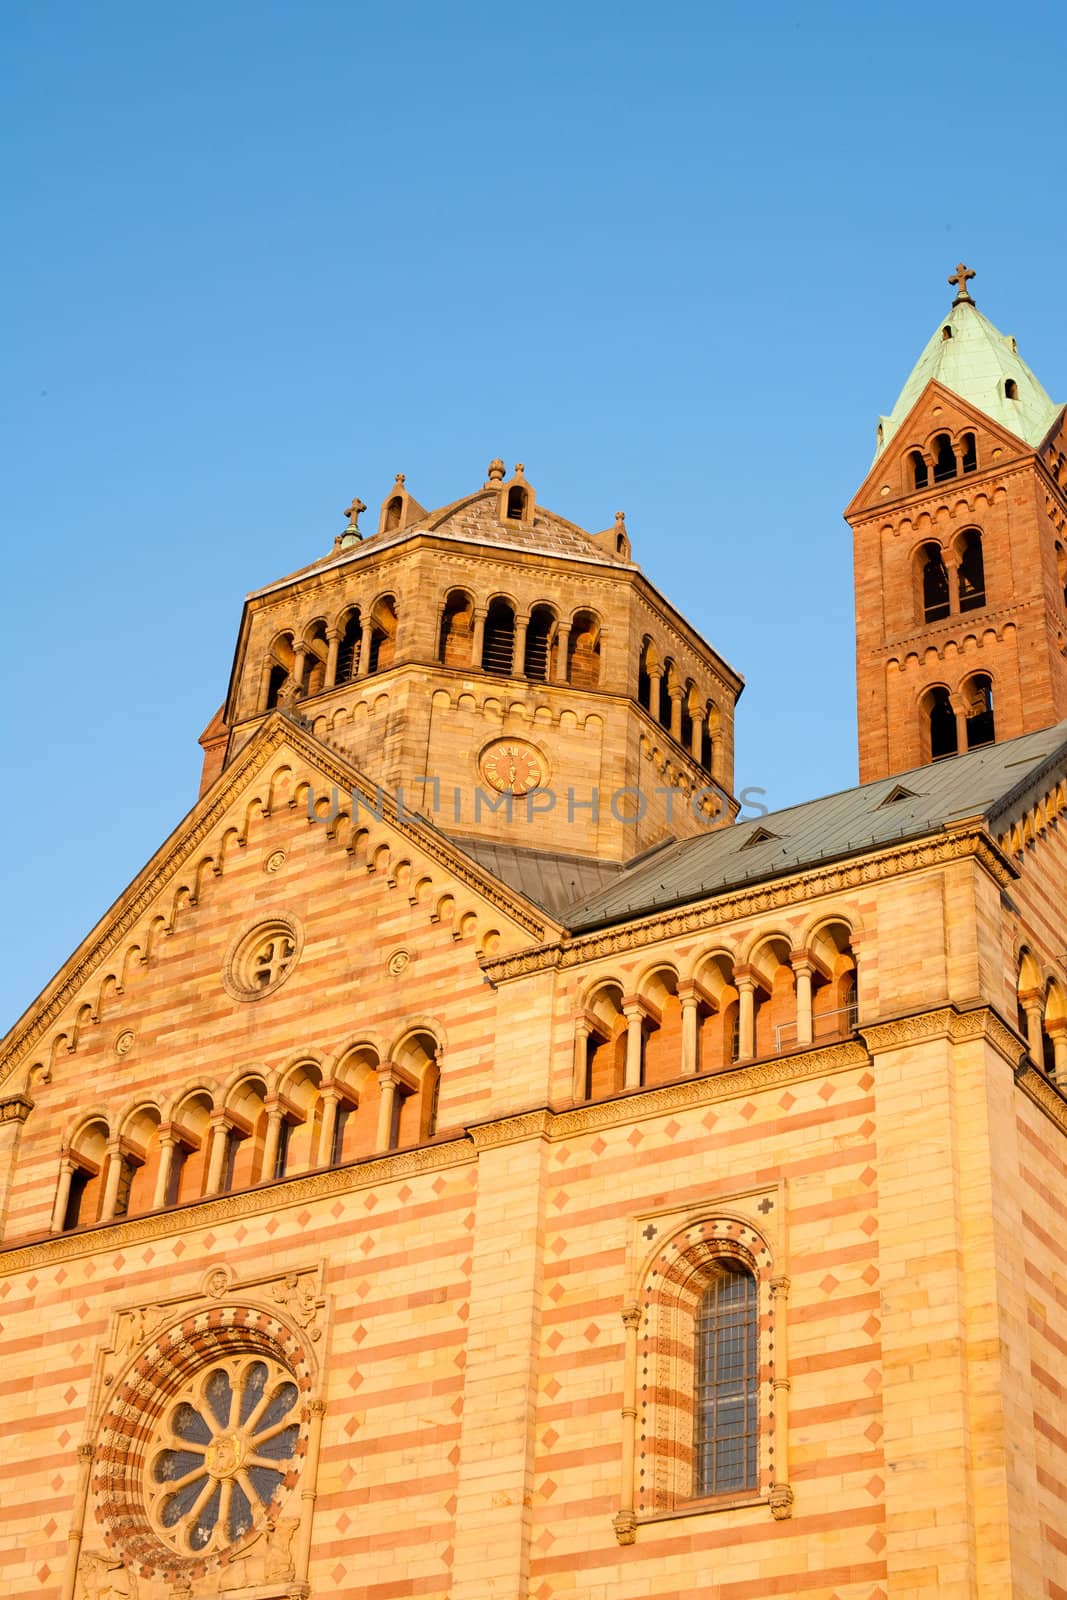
{"points": [[961, 277]]}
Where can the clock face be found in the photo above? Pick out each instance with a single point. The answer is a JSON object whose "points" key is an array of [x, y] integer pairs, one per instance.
{"points": [[511, 766]]}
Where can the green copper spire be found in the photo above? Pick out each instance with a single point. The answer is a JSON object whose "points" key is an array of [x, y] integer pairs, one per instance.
{"points": [[972, 358]]}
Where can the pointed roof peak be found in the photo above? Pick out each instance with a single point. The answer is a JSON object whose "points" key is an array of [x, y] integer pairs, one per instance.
{"points": [[970, 357]]}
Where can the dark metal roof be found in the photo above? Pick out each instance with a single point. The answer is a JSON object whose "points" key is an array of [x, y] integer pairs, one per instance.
{"points": [[548, 879], [985, 783]]}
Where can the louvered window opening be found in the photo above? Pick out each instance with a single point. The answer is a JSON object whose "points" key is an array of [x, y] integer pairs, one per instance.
{"points": [[726, 1384]]}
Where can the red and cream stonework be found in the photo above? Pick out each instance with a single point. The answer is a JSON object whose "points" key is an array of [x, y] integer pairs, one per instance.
{"points": [[325, 1114]]}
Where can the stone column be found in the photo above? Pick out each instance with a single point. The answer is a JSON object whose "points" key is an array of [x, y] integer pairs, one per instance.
{"points": [[333, 645], [655, 677], [111, 1180], [635, 1038], [477, 638], [264, 685], [518, 647], [676, 713], [1032, 1004], [299, 666], [308, 1491], [167, 1144], [1057, 1032], [781, 1495], [746, 991], [563, 640], [690, 1028], [272, 1137], [219, 1133], [361, 663], [804, 971], [388, 1083], [330, 1098], [626, 1520], [696, 739], [74, 1537], [579, 1079], [59, 1207]]}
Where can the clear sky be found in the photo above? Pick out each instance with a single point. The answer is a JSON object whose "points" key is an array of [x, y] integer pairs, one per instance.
{"points": [[261, 257]]}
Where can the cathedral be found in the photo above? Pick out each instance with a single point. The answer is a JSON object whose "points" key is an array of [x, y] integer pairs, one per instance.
{"points": [[477, 1159]]}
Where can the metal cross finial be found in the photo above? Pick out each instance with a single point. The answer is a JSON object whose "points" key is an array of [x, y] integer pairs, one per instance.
{"points": [[961, 278]]}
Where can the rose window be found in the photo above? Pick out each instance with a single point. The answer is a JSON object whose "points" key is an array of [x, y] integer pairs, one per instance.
{"points": [[261, 959], [222, 1449]]}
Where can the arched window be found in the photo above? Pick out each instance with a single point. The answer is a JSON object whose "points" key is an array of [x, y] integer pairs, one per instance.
{"points": [[583, 651], [1061, 569], [970, 453], [317, 653], [971, 572], [944, 459], [1011, 389], [393, 512], [540, 642], [88, 1157], [498, 646], [644, 675], [516, 510], [920, 472], [349, 648], [934, 584], [978, 694], [687, 716], [943, 735], [382, 634], [663, 710], [726, 1433], [946, 332], [191, 1128], [457, 630]]}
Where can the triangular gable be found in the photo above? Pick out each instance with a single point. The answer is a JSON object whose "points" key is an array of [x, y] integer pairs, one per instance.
{"points": [[887, 465], [278, 767]]}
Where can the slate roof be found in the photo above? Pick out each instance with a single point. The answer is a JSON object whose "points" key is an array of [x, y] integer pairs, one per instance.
{"points": [[974, 364], [992, 782], [547, 878]]}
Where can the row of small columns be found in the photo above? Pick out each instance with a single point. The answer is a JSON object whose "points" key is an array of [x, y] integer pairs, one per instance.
{"points": [[1033, 1004], [518, 649], [638, 1011], [677, 694], [389, 1082]]}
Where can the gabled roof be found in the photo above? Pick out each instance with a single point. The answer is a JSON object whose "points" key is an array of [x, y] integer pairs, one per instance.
{"points": [[975, 363], [982, 784]]}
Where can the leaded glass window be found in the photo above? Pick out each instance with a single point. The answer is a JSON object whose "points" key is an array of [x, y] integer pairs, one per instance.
{"points": [[727, 1364]]}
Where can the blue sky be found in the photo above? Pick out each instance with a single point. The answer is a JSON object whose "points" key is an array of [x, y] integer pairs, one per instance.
{"points": [[261, 257]]}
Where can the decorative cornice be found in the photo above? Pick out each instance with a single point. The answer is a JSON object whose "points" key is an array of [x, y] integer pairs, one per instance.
{"points": [[715, 910], [513, 1130], [1037, 1089], [948, 1022], [217, 1209]]}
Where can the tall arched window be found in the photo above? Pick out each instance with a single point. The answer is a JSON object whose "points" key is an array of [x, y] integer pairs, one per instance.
{"points": [[971, 572], [349, 648], [970, 453], [920, 472], [516, 503], [499, 642], [393, 512], [726, 1433], [644, 676], [934, 584], [944, 459], [540, 641], [457, 630], [943, 734], [981, 728]]}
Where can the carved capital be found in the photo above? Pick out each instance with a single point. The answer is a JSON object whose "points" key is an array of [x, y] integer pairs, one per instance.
{"points": [[317, 1408], [17, 1109], [780, 1288], [625, 1525], [781, 1501], [86, 1452], [631, 1317]]}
